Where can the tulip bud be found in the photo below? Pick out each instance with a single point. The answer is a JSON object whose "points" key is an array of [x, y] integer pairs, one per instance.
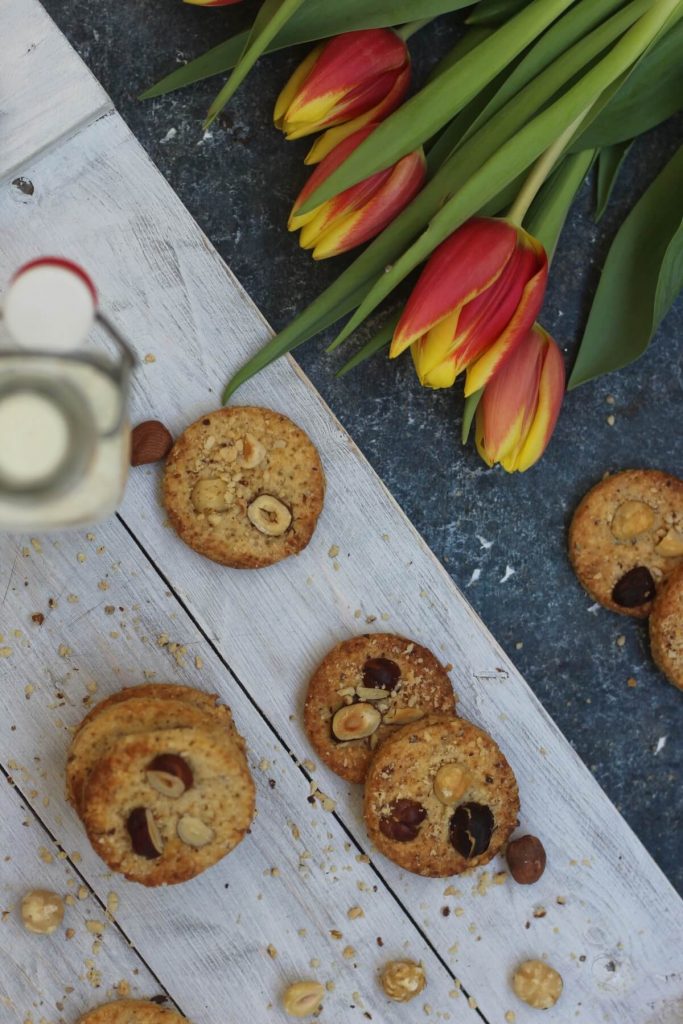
{"points": [[521, 403], [349, 81], [476, 298], [360, 212]]}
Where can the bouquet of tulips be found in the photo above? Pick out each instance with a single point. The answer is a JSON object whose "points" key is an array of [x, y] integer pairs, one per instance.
{"points": [[472, 178]]}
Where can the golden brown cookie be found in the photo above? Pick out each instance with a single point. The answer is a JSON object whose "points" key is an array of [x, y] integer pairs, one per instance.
{"points": [[122, 716], [626, 538], [244, 486], [666, 628], [162, 806], [440, 797], [131, 1011], [366, 688]]}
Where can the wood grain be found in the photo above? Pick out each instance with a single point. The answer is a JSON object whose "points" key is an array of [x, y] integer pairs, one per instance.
{"points": [[46, 92]]}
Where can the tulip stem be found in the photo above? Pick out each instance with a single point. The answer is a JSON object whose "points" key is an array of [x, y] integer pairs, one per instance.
{"points": [[541, 171], [411, 27]]}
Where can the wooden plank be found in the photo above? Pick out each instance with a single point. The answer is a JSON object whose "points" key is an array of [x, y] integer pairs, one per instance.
{"points": [[47, 90], [87, 960], [615, 935], [289, 885]]}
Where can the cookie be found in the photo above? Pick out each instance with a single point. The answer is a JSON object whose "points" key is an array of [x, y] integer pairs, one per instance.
{"points": [[244, 487], [440, 797], [162, 806], [666, 628], [120, 716], [131, 1011], [363, 691], [626, 538]]}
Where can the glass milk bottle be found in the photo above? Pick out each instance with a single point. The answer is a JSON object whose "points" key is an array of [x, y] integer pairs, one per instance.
{"points": [[64, 384]]}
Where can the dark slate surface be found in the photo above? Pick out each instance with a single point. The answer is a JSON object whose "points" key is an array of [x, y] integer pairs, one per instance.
{"points": [[239, 182]]}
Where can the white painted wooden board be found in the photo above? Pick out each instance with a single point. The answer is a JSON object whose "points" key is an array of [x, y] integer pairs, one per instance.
{"points": [[46, 91], [101, 201]]}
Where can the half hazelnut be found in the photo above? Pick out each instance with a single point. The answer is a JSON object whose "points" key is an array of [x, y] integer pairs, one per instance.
{"points": [[355, 721]]}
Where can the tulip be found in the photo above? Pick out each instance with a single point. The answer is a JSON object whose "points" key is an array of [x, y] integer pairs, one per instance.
{"points": [[351, 80], [520, 404], [360, 212], [475, 300]]}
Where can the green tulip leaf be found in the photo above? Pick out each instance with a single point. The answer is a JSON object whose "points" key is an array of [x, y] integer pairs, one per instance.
{"points": [[424, 114], [649, 95], [468, 413], [549, 209], [494, 12], [271, 19], [317, 19], [370, 348], [642, 275], [610, 161]]}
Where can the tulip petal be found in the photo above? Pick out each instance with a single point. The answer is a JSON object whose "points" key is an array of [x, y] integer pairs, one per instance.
{"points": [[435, 347], [550, 395], [323, 170], [388, 198], [509, 401], [333, 136], [462, 267], [529, 306], [291, 88]]}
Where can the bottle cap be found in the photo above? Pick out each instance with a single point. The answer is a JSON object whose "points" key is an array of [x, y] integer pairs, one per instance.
{"points": [[50, 305]]}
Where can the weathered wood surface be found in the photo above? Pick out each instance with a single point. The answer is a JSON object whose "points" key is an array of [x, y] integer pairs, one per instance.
{"points": [[612, 923]]}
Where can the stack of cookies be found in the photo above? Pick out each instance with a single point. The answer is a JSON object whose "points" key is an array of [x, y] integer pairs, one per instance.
{"points": [[440, 797], [131, 1011], [158, 775], [626, 547]]}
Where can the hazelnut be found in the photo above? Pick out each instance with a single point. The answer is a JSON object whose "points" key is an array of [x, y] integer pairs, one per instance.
{"points": [[402, 980], [355, 721], [537, 984], [635, 587], [671, 544], [526, 859], [381, 672], [403, 821], [370, 693], [253, 452], [471, 829], [144, 835], [450, 782], [42, 911], [149, 442], [209, 495], [193, 832], [169, 774], [302, 998], [403, 716], [631, 519], [269, 515]]}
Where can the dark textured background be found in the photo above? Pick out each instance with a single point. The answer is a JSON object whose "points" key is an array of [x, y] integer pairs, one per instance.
{"points": [[239, 182]]}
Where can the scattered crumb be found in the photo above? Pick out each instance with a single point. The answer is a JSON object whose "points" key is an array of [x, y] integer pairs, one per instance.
{"points": [[631, 682], [150, 358], [611, 420], [333, 552], [271, 951], [660, 744]]}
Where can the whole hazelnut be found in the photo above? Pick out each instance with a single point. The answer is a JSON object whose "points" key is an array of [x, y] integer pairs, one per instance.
{"points": [[42, 911], [149, 442], [402, 980], [537, 984], [526, 859], [303, 998]]}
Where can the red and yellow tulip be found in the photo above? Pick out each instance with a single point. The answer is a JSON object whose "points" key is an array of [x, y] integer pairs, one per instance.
{"points": [[350, 81], [474, 302], [362, 211], [520, 404]]}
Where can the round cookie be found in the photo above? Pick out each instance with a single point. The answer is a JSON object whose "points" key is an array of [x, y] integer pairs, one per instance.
{"points": [[244, 486], [131, 1011], [440, 797], [626, 537], [158, 835], [116, 718], [666, 628], [384, 681]]}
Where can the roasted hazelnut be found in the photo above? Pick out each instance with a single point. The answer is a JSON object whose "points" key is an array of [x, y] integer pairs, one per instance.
{"points": [[671, 544], [635, 587], [381, 673], [269, 515], [42, 911], [402, 980], [169, 774], [537, 984], [194, 832], [253, 452], [471, 829], [149, 442], [302, 998], [355, 721], [144, 834], [450, 782], [403, 821], [631, 519], [403, 716], [526, 859]]}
